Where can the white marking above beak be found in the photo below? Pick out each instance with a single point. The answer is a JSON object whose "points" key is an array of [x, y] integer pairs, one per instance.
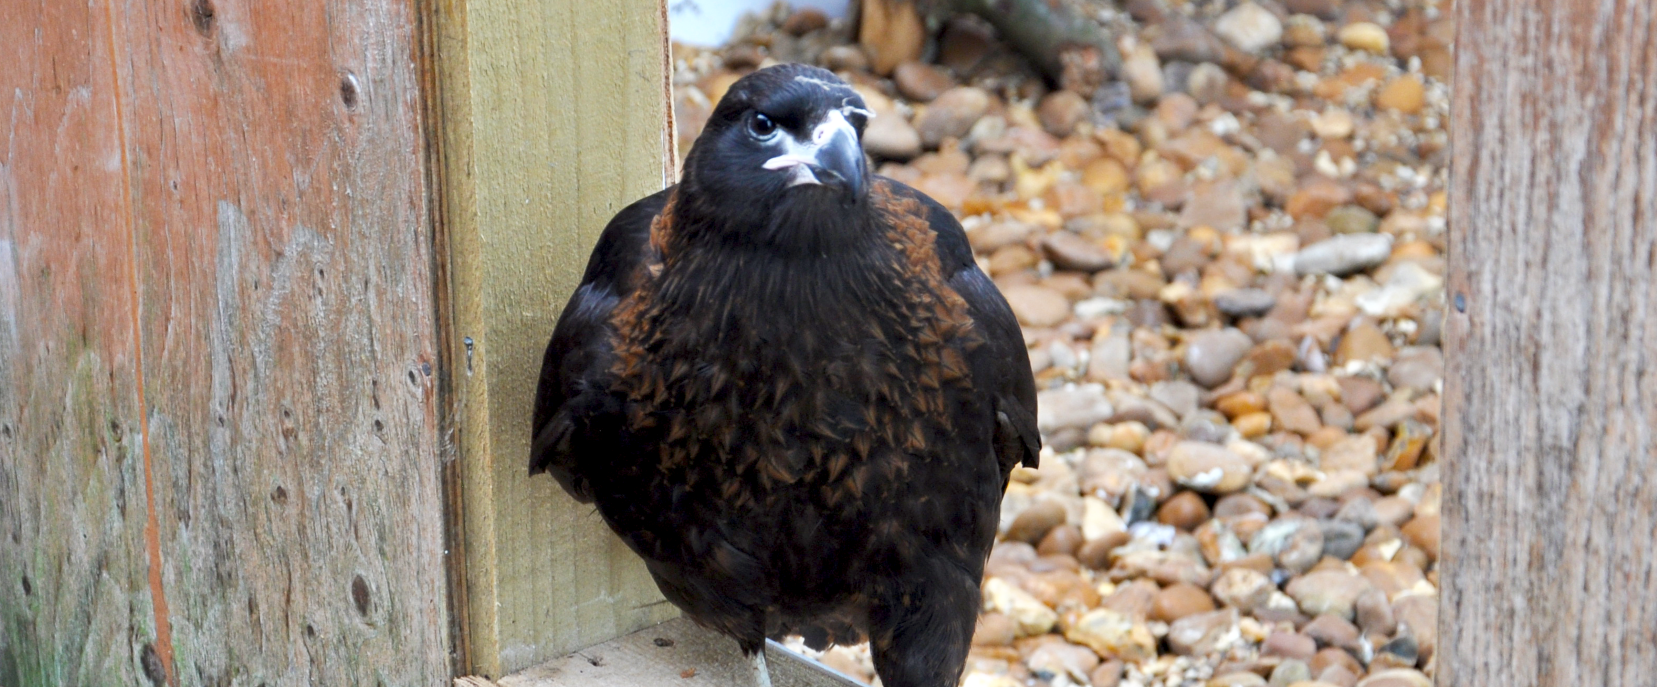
{"points": [[799, 156]]}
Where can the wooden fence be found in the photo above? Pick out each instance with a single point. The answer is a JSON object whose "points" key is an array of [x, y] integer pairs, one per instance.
{"points": [[274, 281]]}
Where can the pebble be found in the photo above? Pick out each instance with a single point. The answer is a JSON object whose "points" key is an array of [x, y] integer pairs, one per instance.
{"points": [[1063, 539], [1343, 255], [1183, 40], [1396, 678], [1291, 412], [1061, 111], [844, 58], [1207, 467], [1364, 342], [1143, 72], [952, 114], [1185, 511], [1032, 524], [920, 81], [1080, 406], [890, 136], [1406, 94], [1374, 613], [1327, 591], [1291, 673], [1029, 614], [1250, 27], [1108, 674], [1241, 679], [1037, 306], [1243, 588], [1351, 219], [1204, 633], [1180, 600], [1341, 538], [1422, 532], [1290, 645], [1331, 630], [994, 629], [1364, 35], [1113, 635], [1059, 658], [1071, 252], [805, 20], [1246, 302], [1210, 356]]}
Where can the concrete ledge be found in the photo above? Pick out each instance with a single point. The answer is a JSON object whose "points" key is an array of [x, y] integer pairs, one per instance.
{"points": [[676, 653]]}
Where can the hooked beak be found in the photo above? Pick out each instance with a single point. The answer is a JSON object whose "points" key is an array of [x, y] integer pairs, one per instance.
{"points": [[832, 157]]}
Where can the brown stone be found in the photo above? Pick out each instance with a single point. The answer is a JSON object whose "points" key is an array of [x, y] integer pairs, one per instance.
{"points": [[1037, 306], [1033, 524], [1207, 467], [1292, 645], [1422, 532], [994, 629], [1363, 341], [1327, 591], [1061, 111], [1095, 553], [1108, 674], [1316, 196], [920, 81], [892, 33], [1360, 393], [1333, 657], [1063, 539], [1199, 634], [1406, 94], [1332, 630], [1291, 412], [1185, 510], [952, 114], [1266, 358], [804, 21], [1180, 600], [1072, 252]]}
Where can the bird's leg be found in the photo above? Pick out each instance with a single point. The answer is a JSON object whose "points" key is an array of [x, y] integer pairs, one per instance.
{"points": [[762, 673]]}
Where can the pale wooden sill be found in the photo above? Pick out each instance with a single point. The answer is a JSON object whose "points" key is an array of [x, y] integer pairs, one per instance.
{"points": [[693, 657]]}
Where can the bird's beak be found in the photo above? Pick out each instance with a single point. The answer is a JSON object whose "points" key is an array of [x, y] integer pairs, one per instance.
{"points": [[832, 157]]}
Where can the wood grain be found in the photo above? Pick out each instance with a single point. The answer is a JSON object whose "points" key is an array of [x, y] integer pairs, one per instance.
{"points": [[555, 115], [75, 602], [219, 251], [1549, 561], [678, 653]]}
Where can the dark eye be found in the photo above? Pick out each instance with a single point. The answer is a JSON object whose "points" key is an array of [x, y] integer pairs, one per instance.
{"points": [[761, 126]]}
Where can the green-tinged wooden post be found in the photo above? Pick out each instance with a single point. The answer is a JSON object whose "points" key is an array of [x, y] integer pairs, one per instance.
{"points": [[552, 115]]}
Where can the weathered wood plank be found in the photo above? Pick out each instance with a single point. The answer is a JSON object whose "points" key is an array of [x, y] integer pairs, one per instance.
{"points": [[1549, 559], [75, 603], [679, 653], [554, 116], [288, 337]]}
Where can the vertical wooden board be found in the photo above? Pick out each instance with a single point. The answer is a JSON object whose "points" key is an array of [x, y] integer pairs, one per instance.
{"points": [[75, 604], [554, 117], [1549, 559], [286, 319]]}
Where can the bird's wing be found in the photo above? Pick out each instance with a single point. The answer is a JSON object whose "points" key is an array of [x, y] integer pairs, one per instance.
{"points": [[578, 356], [1003, 361]]}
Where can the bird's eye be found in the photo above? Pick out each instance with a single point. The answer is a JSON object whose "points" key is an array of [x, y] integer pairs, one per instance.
{"points": [[761, 126]]}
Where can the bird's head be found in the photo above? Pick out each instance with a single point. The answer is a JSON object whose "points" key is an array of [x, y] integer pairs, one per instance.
{"points": [[782, 131]]}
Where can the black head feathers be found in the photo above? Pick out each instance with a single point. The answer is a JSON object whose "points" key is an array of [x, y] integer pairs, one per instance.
{"points": [[790, 133]]}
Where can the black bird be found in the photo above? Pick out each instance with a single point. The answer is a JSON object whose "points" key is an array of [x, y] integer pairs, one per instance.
{"points": [[787, 386]]}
